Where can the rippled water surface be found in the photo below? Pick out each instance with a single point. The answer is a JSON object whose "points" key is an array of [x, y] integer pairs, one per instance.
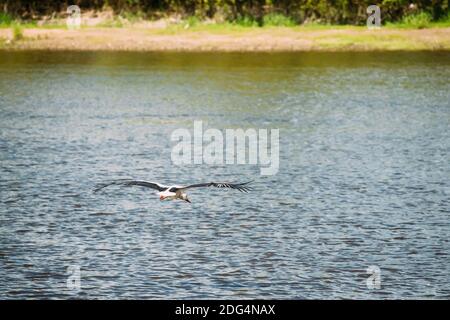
{"points": [[363, 179]]}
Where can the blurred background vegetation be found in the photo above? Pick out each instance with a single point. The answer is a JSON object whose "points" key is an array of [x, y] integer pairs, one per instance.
{"points": [[416, 13]]}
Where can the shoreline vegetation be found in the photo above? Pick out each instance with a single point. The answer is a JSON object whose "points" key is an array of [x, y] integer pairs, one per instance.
{"points": [[276, 39], [127, 31]]}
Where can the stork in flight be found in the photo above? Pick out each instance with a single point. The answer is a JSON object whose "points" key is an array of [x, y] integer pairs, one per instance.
{"points": [[174, 192]]}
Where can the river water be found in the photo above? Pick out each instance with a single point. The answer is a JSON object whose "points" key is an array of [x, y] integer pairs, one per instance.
{"points": [[363, 179]]}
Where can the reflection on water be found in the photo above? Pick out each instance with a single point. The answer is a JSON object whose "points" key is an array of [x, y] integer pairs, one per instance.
{"points": [[363, 178]]}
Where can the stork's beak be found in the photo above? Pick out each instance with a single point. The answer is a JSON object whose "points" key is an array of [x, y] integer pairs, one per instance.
{"points": [[161, 198], [187, 200]]}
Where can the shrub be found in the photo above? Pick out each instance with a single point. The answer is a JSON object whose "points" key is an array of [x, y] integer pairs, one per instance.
{"points": [[445, 19], [192, 21], [17, 32], [418, 20], [277, 20], [5, 19], [246, 21]]}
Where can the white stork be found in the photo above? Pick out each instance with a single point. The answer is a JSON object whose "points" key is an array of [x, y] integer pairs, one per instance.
{"points": [[174, 192]]}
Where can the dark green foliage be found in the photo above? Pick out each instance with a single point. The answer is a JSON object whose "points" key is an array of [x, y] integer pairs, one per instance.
{"points": [[251, 12], [5, 19]]}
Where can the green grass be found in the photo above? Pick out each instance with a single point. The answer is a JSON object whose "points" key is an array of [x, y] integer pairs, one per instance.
{"points": [[112, 23], [270, 20], [5, 19], [419, 20], [444, 22], [278, 20], [133, 17], [234, 28], [274, 20], [192, 22], [371, 41], [17, 32], [246, 22]]}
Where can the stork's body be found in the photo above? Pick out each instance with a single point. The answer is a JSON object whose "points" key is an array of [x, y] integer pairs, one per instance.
{"points": [[170, 195], [174, 192]]}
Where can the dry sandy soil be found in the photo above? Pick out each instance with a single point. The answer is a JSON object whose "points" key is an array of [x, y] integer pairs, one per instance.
{"points": [[265, 39]]}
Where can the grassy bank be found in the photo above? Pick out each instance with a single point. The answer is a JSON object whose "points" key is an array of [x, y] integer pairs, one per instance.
{"points": [[192, 34]]}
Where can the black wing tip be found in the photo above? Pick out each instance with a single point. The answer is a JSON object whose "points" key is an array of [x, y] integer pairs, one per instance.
{"points": [[100, 186], [248, 188], [245, 190], [242, 187], [128, 182]]}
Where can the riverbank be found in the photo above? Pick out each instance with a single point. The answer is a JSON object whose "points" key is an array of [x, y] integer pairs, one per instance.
{"points": [[238, 39]]}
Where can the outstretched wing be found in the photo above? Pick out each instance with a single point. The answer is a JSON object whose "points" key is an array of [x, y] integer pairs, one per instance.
{"points": [[243, 187], [128, 182]]}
